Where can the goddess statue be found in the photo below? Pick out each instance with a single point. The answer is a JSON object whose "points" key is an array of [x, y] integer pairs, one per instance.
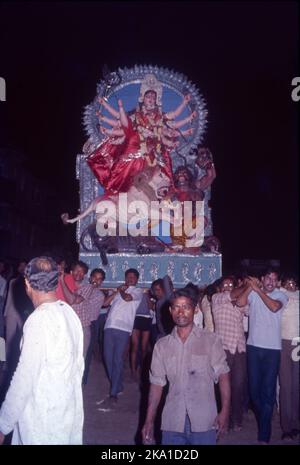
{"points": [[137, 139]]}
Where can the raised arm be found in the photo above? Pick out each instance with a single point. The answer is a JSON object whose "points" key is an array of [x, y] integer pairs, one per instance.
{"points": [[182, 122], [234, 295], [179, 109], [112, 132], [108, 300], [170, 143], [172, 133], [187, 132], [123, 115], [72, 297], [238, 291], [125, 296], [272, 304], [242, 297], [109, 108], [207, 179], [168, 286], [115, 123]]}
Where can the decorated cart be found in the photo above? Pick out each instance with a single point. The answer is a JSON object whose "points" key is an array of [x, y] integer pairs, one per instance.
{"points": [[143, 154]]}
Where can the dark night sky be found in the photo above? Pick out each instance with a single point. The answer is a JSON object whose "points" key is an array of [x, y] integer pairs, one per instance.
{"points": [[241, 55]]}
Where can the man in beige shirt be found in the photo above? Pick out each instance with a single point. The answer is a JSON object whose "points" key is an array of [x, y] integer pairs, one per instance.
{"points": [[192, 360], [289, 366]]}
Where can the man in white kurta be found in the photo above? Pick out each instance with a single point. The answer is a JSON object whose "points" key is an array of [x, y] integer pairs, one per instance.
{"points": [[44, 402]]}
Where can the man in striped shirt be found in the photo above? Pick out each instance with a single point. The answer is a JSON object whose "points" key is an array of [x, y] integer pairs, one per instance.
{"points": [[228, 321], [86, 301]]}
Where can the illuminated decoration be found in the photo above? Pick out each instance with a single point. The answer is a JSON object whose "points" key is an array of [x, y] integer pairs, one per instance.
{"points": [[126, 84], [130, 85]]}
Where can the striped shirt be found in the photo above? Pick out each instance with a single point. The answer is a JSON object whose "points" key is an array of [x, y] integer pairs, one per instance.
{"points": [[228, 321], [90, 306]]}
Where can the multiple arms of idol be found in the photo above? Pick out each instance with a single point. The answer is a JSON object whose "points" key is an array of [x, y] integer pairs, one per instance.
{"points": [[169, 130]]}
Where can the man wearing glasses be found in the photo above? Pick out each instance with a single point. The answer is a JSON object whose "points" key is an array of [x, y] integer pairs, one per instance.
{"points": [[228, 321]]}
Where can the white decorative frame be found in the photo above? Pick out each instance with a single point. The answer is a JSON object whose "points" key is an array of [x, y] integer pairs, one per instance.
{"points": [[117, 81]]}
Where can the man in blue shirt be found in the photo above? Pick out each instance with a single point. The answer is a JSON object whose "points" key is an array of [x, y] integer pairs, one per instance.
{"points": [[266, 303]]}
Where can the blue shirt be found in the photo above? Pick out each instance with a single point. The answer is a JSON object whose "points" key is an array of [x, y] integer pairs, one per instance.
{"points": [[264, 325]]}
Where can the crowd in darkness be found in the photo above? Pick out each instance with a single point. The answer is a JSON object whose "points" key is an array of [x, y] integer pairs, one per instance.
{"points": [[239, 332]]}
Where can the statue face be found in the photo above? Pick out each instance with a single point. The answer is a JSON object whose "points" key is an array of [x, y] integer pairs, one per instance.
{"points": [[150, 100]]}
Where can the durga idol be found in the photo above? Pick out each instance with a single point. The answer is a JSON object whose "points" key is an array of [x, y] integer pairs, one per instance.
{"points": [[142, 137]]}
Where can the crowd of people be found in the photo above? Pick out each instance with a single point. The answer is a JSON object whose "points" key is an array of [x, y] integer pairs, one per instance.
{"points": [[219, 350]]}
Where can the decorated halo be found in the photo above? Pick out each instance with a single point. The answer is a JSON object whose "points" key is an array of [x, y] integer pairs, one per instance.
{"points": [[126, 84]]}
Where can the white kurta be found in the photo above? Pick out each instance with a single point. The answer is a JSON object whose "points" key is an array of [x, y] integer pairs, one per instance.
{"points": [[44, 402]]}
